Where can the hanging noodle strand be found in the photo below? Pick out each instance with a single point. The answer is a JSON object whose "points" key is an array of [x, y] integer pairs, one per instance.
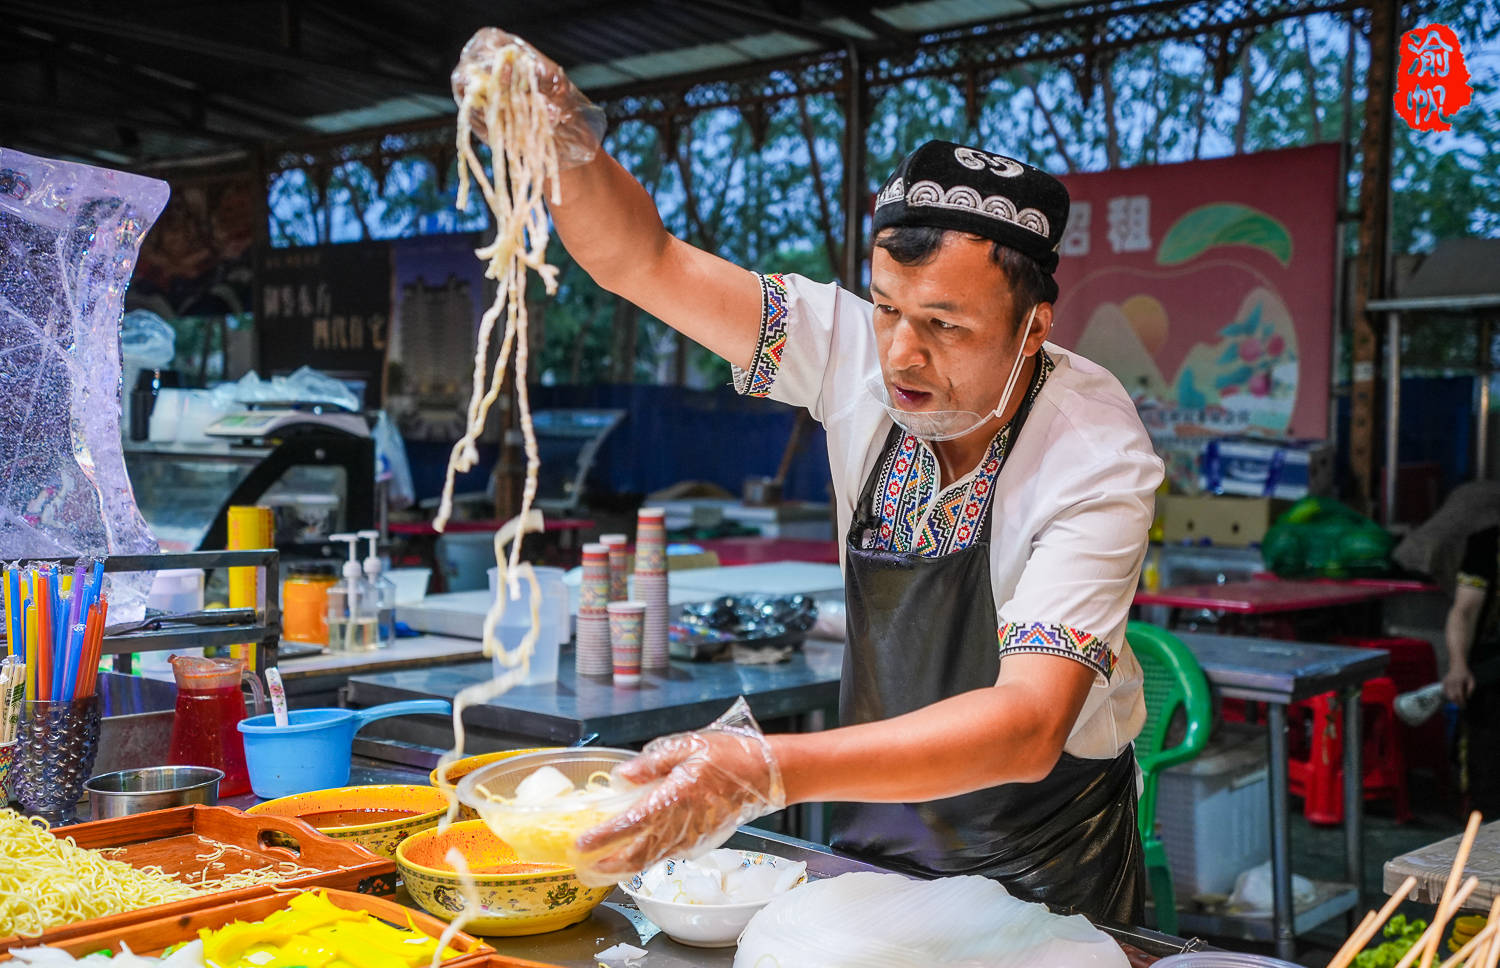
{"points": [[518, 131]]}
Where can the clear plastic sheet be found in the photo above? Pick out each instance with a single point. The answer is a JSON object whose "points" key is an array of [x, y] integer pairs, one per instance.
{"points": [[69, 236], [303, 385], [869, 920]]}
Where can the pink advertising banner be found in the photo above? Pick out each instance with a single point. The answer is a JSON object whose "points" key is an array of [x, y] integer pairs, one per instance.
{"points": [[1207, 288]]}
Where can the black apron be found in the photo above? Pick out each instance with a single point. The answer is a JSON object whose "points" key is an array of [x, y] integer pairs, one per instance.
{"points": [[919, 631]]}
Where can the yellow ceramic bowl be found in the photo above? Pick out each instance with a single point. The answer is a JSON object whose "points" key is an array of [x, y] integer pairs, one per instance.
{"points": [[381, 836], [539, 898], [459, 769]]}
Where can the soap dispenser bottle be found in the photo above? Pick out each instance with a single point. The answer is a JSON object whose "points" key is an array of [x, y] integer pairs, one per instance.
{"points": [[351, 606], [382, 591]]}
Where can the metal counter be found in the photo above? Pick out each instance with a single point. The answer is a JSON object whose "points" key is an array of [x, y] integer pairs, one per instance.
{"points": [[618, 921], [688, 695]]}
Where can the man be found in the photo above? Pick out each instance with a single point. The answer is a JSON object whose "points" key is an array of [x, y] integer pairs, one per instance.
{"points": [[993, 493], [1472, 636]]}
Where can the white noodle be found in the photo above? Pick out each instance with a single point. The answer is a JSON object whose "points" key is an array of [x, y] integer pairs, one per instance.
{"points": [[519, 133]]}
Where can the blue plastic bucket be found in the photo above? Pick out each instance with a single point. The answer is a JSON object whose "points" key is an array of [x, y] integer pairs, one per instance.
{"points": [[312, 751]]}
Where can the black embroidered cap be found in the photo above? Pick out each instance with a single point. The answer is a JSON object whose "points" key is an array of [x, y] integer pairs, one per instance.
{"points": [[949, 186]]}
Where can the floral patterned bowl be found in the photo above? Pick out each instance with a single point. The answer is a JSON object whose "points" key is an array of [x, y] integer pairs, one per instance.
{"points": [[531, 899], [425, 806], [457, 770]]}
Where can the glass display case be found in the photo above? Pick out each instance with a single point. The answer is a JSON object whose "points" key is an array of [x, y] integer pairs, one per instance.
{"points": [[184, 490]]}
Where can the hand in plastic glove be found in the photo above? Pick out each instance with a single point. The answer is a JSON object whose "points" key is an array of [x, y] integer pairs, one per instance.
{"points": [[712, 781], [579, 123]]}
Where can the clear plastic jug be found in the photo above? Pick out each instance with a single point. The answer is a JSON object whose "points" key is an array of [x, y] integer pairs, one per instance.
{"points": [[210, 705]]}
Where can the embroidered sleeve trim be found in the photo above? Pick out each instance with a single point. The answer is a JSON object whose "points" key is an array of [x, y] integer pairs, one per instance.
{"points": [[1473, 581], [759, 378], [1057, 639]]}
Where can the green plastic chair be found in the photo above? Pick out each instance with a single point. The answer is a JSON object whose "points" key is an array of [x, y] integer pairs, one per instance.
{"points": [[1172, 680]]}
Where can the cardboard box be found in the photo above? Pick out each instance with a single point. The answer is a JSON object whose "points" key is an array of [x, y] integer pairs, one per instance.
{"points": [[1215, 519], [1254, 467]]}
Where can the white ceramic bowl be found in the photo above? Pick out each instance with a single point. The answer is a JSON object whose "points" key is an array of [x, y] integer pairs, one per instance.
{"points": [[702, 925]]}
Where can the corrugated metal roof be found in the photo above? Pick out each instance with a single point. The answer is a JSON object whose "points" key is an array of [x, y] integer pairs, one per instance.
{"points": [[105, 81]]}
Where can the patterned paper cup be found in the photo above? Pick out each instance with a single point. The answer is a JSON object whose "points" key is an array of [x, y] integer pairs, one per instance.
{"points": [[626, 631]]}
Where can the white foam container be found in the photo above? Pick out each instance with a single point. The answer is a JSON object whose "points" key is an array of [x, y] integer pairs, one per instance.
{"points": [[1213, 813]]}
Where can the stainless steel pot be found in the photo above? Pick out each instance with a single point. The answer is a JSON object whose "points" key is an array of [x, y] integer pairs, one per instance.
{"points": [[152, 788]]}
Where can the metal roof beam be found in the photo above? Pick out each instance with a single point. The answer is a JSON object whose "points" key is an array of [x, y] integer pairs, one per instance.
{"points": [[224, 50], [835, 39], [123, 75], [102, 115]]}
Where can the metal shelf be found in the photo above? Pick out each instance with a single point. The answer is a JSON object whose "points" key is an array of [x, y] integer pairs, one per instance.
{"points": [[1333, 899], [260, 626]]}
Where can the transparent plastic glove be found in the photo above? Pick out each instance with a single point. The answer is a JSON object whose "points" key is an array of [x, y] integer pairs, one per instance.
{"points": [[580, 123], [712, 781]]}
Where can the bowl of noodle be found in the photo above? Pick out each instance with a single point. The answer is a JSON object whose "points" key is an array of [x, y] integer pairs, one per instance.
{"points": [[540, 803], [446, 778], [515, 897]]}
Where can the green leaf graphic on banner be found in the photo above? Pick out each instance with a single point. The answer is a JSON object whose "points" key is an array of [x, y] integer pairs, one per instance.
{"points": [[1223, 223]]}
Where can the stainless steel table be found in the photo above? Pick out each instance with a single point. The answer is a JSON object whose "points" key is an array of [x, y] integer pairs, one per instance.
{"points": [[618, 921], [1278, 673], [686, 696]]}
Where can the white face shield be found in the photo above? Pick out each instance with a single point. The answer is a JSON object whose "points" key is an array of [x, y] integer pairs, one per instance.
{"points": [[936, 425]]}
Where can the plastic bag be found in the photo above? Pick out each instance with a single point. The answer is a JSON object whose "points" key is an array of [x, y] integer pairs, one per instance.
{"points": [[1253, 890], [869, 920], [69, 236], [1319, 536], [304, 385], [391, 464], [147, 340]]}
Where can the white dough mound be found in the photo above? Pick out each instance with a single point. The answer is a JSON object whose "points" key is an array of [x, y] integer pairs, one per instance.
{"points": [[870, 920]]}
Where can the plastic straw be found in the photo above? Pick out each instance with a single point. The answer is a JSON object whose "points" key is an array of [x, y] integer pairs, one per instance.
{"points": [[34, 658], [12, 640]]}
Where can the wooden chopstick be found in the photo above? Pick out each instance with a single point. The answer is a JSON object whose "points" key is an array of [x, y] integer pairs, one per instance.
{"points": [[1372, 923], [1462, 955], [1428, 941], [1460, 861]]}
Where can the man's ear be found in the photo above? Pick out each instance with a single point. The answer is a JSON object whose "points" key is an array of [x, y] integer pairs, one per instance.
{"points": [[1041, 329]]}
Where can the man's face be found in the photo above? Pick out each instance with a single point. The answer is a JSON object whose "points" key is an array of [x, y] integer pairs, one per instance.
{"points": [[946, 329]]}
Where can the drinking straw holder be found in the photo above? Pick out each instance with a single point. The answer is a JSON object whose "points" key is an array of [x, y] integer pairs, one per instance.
{"points": [[54, 756]]}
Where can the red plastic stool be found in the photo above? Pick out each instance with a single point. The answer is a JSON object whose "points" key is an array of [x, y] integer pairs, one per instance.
{"points": [[1316, 770], [1413, 665]]}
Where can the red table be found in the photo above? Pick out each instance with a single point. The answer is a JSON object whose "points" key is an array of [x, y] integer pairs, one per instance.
{"points": [[1270, 603], [750, 551], [1261, 597]]}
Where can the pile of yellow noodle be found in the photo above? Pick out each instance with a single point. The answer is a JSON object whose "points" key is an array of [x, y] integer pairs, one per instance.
{"points": [[46, 880]]}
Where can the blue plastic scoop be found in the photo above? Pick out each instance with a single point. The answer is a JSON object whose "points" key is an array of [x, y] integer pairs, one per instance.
{"points": [[313, 750]]}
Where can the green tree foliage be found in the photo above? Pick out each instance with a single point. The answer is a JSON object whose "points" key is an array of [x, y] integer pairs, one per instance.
{"points": [[766, 191]]}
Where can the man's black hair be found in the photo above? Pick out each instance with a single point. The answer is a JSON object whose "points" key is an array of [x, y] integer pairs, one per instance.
{"points": [[914, 245]]}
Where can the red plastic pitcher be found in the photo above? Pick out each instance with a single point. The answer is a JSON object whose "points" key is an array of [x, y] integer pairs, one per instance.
{"points": [[210, 705]]}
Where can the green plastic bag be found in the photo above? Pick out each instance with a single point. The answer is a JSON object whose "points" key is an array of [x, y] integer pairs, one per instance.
{"points": [[1319, 537]]}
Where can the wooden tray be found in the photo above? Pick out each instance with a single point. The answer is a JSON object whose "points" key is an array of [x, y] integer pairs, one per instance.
{"points": [[173, 839], [150, 937]]}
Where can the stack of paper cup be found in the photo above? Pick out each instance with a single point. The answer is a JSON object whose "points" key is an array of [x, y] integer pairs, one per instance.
{"points": [[626, 627], [651, 584], [594, 655], [619, 577]]}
